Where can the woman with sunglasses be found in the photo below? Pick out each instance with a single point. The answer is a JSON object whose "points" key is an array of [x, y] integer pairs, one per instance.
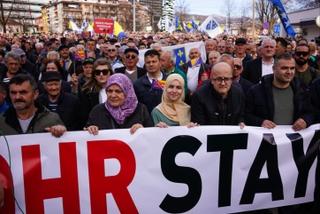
{"points": [[121, 110], [172, 111], [93, 91]]}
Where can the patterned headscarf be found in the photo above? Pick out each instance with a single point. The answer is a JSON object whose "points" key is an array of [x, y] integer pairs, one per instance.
{"points": [[120, 113]]}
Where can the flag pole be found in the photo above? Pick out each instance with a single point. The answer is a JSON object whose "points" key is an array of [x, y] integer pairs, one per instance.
{"points": [[253, 19]]}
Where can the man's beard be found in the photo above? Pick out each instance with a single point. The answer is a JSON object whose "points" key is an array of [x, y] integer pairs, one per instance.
{"points": [[301, 61]]}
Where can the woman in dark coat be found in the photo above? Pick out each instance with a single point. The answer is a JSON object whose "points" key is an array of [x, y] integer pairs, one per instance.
{"points": [[121, 110]]}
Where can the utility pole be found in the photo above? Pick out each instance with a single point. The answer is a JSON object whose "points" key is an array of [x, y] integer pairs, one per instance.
{"points": [[134, 15]]}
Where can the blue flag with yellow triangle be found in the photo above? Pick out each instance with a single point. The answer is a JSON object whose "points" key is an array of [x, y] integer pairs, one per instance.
{"points": [[180, 54]]}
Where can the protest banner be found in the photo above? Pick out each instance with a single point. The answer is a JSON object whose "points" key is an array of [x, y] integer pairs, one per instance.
{"points": [[206, 169], [103, 25]]}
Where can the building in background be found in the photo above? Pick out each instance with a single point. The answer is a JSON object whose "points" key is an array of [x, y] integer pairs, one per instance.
{"points": [[22, 14], [155, 7], [57, 14], [304, 22]]}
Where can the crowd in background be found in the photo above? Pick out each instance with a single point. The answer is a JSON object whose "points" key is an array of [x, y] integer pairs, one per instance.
{"points": [[61, 83]]}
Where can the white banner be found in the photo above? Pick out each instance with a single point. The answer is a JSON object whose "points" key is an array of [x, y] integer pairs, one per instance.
{"points": [[206, 169]]}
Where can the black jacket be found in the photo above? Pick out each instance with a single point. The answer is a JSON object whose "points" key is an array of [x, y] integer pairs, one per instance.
{"points": [[245, 84], [146, 94], [315, 99], [68, 109], [208, 107], [100, 116], [260, 104], [88, 99], [253, 70]]}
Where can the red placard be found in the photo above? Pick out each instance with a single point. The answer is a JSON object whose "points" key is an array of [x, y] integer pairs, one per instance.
{"points": [[103, 25]]}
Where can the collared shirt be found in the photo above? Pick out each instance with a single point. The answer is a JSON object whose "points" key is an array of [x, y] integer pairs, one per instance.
{"points": [[267, 68], [192, 78], [159, 78]]}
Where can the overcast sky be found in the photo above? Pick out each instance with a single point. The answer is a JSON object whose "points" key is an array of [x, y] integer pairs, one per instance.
{"points": [[207, 7]]}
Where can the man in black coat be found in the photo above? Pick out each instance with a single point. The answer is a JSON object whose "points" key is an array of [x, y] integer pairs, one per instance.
{"points": [[257, 68], [278, 99], [218, 102], [66, 105], [131, 58], [149, 87]]}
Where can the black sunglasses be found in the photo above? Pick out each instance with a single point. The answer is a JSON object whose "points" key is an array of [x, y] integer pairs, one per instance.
{"points": [[103, 71], [130, 56], [301, 53], [237, 67]]}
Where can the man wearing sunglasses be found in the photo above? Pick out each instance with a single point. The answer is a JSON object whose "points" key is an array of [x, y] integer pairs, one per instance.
{"points": [[304, 71], [130, 68]]}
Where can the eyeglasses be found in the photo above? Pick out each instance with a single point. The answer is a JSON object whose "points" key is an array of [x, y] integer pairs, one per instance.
{"points": [[237, 67], [103, 71], [301, 53], [222, 79], [130, 56], [111, 50]]}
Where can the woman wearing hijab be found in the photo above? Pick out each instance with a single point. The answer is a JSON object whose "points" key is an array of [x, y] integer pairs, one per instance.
{"points": [[121, 110], [172, 111]]}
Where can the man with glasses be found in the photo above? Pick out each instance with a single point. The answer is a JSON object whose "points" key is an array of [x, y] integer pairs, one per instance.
{"points": [[131, 58], [237, 71], [304, 71], [218, 102], [257, 68], [278, 99]]}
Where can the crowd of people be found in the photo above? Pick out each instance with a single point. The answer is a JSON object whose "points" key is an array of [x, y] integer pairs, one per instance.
{"points": [[63, 83]]}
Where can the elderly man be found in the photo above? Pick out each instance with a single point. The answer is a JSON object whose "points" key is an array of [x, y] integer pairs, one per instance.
{"points": [[240, 50], [257, 68], [25, 115], [213, 57], [278, 99], [218, 102], [130, 68], [237, 71], [195, 69], [13, 66], [65, 104]]}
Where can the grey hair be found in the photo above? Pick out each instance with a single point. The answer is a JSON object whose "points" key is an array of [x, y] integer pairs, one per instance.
{"points": [[266, 40], [225, 56], [50, 53], [13, 55], [39, 45]]}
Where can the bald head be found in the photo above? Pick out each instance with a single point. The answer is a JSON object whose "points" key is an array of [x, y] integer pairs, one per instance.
{"points": [[221, 78], [221, 68]]}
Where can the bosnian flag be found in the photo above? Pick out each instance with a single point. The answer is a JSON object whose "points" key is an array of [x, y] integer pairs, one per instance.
{"points": [[211, 27]]}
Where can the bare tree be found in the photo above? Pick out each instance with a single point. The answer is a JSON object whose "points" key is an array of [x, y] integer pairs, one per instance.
{"points": [[182, 9], [266, 12], [5, 13], [229, 7]]}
